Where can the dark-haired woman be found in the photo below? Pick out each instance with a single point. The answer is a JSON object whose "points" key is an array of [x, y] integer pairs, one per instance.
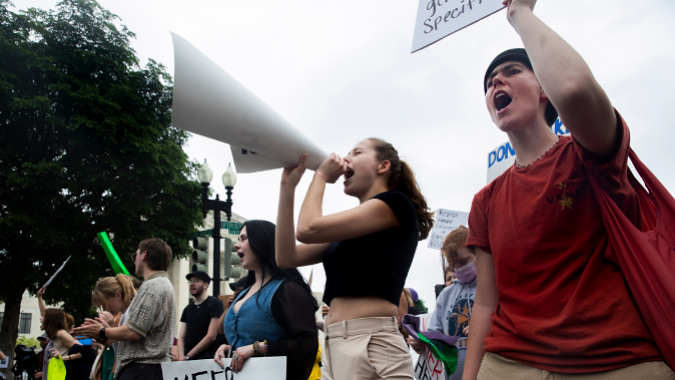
{"points": [[362, 338], [77, 358], [274, 314]]}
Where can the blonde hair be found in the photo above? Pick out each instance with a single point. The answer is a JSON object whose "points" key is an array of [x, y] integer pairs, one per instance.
{"points": [[453, 242], [408, 296], [108, 287]]}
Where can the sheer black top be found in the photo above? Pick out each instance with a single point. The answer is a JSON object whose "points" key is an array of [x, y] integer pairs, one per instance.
{"points": [[375, 264]]}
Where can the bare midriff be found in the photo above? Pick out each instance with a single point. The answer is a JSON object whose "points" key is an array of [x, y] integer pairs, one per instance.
{"points": [[346, 308]]}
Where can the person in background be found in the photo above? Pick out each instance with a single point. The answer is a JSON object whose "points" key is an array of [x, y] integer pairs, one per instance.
{"points": [[44, 341], [382, 231], [113, 295], [449, 277], [199, 321], [551, 300], [77, 358], [453, 306], [415, 304], [145, 340], [274, 314]]}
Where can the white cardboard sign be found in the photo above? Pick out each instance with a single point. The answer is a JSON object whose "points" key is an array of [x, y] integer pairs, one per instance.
{"points": [[502, 157], [445, 221], [271, 368], [437, 19], [428, 367], [210, 102]]}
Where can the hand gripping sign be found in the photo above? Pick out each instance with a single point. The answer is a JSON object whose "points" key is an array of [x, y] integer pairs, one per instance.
{"points": [[269, 368], [209, 102]]}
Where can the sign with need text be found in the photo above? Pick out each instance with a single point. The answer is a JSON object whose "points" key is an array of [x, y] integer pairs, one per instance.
{"points": [[269, 368], [437, 19], [445, 221]]}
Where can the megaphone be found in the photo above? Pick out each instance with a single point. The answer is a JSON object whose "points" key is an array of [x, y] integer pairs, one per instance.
{"points": [[210, 102]]}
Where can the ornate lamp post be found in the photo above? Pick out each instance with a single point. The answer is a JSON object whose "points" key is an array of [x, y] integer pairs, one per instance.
{"points": [[205, 174]]}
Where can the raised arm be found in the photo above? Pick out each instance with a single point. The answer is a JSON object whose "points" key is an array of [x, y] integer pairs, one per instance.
{"points": [[313, 227], [582, 104], [486, 300], [288, 255], [41, 303]]}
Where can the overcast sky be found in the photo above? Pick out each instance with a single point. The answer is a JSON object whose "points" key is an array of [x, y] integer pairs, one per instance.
{"points": [[343, 71]]}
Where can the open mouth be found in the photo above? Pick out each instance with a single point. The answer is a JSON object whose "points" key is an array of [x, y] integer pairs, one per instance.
{"points": [[502, 100], [349, 173], [240, 254]]}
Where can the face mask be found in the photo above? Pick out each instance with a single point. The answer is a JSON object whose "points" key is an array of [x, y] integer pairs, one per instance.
{"points": [[466, 273]]}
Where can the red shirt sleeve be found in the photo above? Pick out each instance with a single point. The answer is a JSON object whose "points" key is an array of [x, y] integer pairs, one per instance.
{"points": [[478, 221], [612, 175]]}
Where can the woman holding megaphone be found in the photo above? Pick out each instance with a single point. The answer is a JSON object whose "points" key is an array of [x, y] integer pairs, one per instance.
{"points": [[362, 337]]}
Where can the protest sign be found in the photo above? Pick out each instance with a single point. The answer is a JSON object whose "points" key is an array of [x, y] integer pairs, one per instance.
{"points": [[437, 19], [55, 274], [272, 368], [427, 367], [115, 261], [502, 157], [445, 221], [209, 102], [3, 362]]}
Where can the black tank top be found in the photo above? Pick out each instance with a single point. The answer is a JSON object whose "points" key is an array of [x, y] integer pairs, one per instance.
{"points": [[375, 264]]}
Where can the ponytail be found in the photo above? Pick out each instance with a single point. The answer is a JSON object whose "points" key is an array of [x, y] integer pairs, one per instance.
{"points": [[107, 287], [402, 179]]}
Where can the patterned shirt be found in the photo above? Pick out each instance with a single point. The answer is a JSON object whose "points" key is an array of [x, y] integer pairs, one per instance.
{"points": [[152, 314]]}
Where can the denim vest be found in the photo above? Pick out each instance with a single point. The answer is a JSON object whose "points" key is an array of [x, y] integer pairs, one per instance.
{"points": [[254, 320]]}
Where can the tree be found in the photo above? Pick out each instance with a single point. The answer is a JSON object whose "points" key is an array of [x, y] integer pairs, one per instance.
{"points": [[86, 145]]}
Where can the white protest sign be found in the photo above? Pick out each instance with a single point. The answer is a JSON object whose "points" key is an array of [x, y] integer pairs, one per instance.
{"points": [[209, 102], [4, 362], [272, 368], [57, 272], [502, 157], [428, 367], [445, 221], [437, 19]]}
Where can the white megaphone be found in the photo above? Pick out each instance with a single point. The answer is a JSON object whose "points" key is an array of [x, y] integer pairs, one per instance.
{"points": [[210, 102]]}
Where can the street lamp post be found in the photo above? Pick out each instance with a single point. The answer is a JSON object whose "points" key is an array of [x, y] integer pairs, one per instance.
{"points": [[205, 175]]}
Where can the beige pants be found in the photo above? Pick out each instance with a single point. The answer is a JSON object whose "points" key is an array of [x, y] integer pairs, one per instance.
{"points": [[497, 367], [366, 348]]}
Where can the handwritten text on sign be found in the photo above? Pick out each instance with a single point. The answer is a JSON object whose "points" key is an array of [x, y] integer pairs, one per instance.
{"points": [[446, 221], [272, 368], [428, 367], [440, 18]]}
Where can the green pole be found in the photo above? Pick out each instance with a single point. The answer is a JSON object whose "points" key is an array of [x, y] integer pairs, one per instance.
{"points": [[115, 261]]}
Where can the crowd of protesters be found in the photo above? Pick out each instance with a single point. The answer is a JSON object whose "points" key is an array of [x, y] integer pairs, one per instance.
{"points": [[528, 292]]}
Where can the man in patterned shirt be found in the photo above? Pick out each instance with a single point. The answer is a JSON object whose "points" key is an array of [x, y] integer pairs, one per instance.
{"points": [[145, 340]]}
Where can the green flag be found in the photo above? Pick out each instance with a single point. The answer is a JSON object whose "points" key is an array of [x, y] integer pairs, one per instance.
{"points": [[115, 261], [447, 354]]}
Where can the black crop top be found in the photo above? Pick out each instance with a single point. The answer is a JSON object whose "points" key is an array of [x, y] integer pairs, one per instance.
{"points": [[375, 264]]}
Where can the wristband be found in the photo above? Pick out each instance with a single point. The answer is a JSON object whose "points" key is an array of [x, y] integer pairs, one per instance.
{"points": [[101, 333]]}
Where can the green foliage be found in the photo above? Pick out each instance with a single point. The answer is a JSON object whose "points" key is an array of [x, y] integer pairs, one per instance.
{"points": [[86, 145], [28, 342]]}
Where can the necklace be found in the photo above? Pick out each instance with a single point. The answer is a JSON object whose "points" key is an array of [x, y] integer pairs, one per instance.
{"points": [[519, 166]]}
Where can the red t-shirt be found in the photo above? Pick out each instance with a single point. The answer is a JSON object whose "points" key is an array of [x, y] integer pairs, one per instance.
{"points": [[563, 306]]}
